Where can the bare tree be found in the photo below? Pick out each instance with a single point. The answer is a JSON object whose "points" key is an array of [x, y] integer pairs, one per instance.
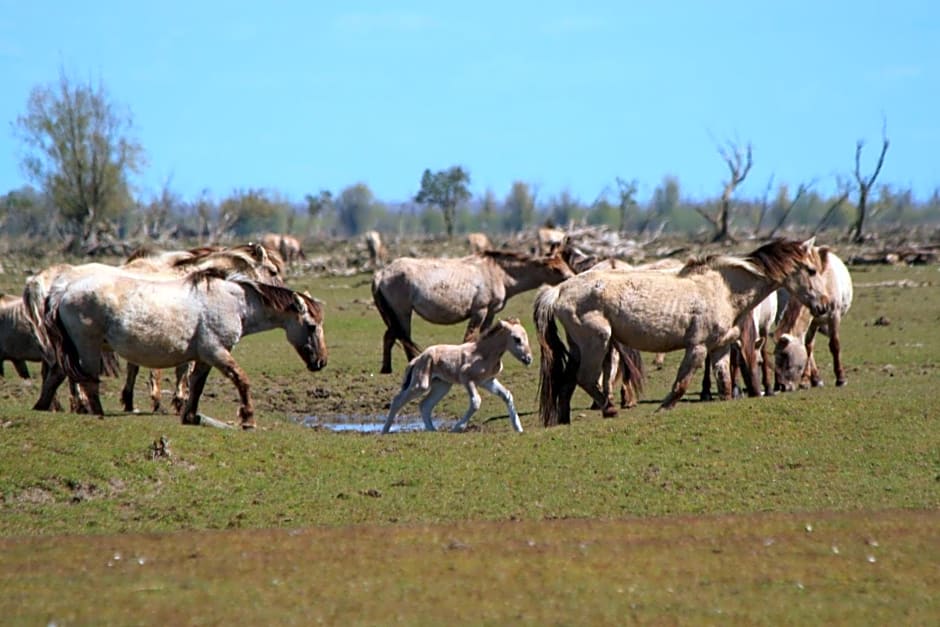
{"points": [[627, 193], [830, 211], [865, 184], [785, 211], [739, 165]]}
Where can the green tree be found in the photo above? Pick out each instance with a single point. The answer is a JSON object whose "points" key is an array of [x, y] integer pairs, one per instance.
{"points": [[80, 152], [255, 211], [445, 189], [564, 208], [520, 207], [355, 207]]}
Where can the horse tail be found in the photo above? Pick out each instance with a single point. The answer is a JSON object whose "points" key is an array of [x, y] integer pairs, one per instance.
{"points": [[632, 363], [555, 356], [391, 319], [34, 297], [417, 374], [748, 347], [110, 366], [65, 350]]}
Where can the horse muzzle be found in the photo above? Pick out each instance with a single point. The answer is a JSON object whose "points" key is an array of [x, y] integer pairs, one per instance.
{"points": [[527, 360], [316, 364]]}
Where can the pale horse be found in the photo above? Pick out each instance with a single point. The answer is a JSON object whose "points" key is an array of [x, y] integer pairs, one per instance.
{"points": [[696, 310], [794, 363], [164, 323], [471, 364]]}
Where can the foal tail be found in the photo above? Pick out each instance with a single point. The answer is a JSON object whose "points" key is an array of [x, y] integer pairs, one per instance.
{"points": [[391, 319], [66, 353], [555, 356]]}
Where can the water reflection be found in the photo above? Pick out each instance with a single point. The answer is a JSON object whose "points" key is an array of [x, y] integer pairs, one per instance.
{"points": [[360, 423]]}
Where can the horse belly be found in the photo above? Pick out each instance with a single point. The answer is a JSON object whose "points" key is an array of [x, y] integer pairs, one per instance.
{"points": [[155, 345], [442, 306]]}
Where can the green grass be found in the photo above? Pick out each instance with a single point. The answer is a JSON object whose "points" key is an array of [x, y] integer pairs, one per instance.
{"points": [[696, 515]]}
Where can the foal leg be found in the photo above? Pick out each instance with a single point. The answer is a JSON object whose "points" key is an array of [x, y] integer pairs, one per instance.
{"points": [[721, 358], [182, 385], [811, 372], [474, 406], [693, 359], [495, 387], [20, 366], [437, 391], [706, 393], [401, 399]]}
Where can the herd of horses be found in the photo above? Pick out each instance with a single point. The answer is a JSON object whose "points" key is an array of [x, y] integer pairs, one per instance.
{"points": [[187, 309]]}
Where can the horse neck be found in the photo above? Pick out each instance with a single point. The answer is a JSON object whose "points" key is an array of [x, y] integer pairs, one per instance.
{"points": [[795, 320], [257, 316], [747, 289], [518, 275]]}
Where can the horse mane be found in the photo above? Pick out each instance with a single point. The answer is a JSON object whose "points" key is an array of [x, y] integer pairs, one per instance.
{"points": [[504, 255], [205, 275], [698, 265], [282, 298], [778, 257], [143, 252]]}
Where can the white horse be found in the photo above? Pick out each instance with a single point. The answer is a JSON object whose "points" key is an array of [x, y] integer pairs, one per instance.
{"points": [[164, 323], [470, 364]]}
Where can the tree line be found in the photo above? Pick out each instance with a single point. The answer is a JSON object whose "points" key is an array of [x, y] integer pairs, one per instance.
{"points": [[80, 154]]}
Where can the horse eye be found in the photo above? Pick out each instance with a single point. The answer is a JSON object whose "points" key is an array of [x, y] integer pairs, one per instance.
{"points": [[811, 271]]}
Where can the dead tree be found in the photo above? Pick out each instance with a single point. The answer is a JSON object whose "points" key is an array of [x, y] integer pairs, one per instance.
{"points": [[739, 165], [785, 211], [865, 184]]}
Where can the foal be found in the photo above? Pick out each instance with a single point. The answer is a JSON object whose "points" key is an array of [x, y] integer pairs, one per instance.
{"points": [[473, 363]]}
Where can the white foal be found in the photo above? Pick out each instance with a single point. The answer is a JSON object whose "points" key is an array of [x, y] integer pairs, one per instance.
{"points": [[470, 364]]}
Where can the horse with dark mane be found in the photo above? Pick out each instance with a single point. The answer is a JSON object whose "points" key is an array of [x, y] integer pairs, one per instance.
{"points": [[448, 291], [696, 310], [164, 323]]}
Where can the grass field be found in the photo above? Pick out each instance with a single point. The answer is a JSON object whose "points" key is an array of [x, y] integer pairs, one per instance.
{"points": [[819, 506]]}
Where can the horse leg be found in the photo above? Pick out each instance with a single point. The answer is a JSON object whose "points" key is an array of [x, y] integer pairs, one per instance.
{"points": [[197, 381], [693, 359], [835, 349], [721, 358], [227, 366], [478, 322], [404, 396], [766, 368], [811, 372], [437, 391], [593, 348], [495, 387], [127, 393], [20, 366], [153, 381], [659, 360], [475, 402], [706, 393], [182, 385], [52, 378]]}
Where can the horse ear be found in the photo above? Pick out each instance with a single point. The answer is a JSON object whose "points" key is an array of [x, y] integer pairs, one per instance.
{"points": [[808, 244], [824, 255], [299, 305]]}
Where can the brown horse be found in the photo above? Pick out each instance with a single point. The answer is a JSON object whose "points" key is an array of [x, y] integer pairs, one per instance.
{"points": [[793, 354], [164, 323], [471, 364], [696, 310], [287, 246], [448, 291], [18, 341]]}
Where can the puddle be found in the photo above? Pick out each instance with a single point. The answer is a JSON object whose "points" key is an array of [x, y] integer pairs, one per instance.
{"points": [[369, 423]]}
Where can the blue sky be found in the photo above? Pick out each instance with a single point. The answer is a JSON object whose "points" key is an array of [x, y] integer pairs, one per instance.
{"points": [[295, 97]]}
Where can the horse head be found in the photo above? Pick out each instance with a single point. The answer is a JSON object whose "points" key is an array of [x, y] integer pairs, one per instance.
{"points": [[799, 267], [305, 331], [789, 362]]}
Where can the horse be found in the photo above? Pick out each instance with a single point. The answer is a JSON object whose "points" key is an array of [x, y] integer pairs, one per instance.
{"points": [[478, 242], [448, 291], [164, 323], [252, 260], [696, 310], [750, 353], [551, 240], [471, 364], [287, 246], [378, 254], [18, 342], [794, 363]]}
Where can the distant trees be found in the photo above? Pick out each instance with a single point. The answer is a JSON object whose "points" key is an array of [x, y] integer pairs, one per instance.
{"points": [[519, 207], [355, 206], [445, 189], [80, 152], [738, 165], [865, 185]]}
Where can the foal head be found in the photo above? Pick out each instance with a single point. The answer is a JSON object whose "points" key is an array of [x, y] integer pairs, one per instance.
{"points": [[517, 341]]}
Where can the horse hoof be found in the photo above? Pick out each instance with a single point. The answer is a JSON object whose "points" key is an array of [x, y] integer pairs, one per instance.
{"points": [[385, 370], [840, 383]]}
